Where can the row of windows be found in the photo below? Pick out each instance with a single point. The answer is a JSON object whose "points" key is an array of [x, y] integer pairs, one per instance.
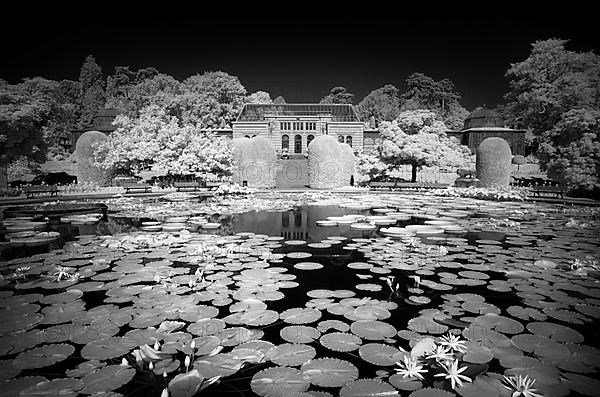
{"points": [[285, 141], [299, 125], [348, 140]]}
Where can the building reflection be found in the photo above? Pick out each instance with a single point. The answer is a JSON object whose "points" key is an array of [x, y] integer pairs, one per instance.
{"points": [[297, 224]]}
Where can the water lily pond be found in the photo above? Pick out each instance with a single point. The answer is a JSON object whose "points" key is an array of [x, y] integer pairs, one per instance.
{"points": [[310, 294]]}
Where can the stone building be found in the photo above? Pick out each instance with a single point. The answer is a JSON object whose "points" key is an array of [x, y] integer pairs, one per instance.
{"points": [[483, 123], [294, 126]]}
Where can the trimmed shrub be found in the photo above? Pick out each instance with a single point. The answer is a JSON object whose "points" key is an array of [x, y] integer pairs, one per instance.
{"points": [[493, 163], [87, 171], [348, 163], [254, 161], [330, 163]]}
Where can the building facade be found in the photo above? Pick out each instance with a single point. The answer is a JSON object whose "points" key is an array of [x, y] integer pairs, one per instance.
{"points": [[291, 127], [484, 123]]}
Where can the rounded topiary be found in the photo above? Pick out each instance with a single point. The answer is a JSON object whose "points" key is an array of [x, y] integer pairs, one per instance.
{"points": [[330, 163], [254, 161], [87, 172], [349, 160], [493, 163]]}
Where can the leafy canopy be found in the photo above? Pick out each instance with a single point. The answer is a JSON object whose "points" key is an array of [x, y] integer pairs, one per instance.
{"points": [[418, 138]]}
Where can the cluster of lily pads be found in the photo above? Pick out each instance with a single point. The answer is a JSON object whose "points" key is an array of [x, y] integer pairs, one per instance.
{"points": [[497, 194], [474, 309]]}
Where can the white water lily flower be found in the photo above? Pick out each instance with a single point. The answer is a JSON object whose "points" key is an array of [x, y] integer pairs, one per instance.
{"points": [[442, 354], [453, 342], [521, 386], [409, 368], [453, 373]]}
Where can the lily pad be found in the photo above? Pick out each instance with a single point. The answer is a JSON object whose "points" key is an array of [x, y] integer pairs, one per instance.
{"points": [[329, 372], [378, 354], [368, 387], [13, 388], [340, 341], [300, 315], [186, 384], [373, 330], [224, 364], [105, 349], [108, 378], [556, 332], [402, 383], [56, 387], [299, 334], [477, 353], [279, 381], [291, 354], [43, 356]]}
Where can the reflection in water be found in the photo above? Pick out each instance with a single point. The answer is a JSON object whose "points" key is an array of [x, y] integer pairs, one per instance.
{"points": [[297, 224]]}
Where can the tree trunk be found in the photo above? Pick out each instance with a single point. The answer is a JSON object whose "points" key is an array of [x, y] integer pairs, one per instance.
{"points": [[414, 173]]}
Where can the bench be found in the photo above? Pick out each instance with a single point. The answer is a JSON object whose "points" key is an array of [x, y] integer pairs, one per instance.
{"points": [[540, 191], [146, 187], [32, 190], [186, 185]]}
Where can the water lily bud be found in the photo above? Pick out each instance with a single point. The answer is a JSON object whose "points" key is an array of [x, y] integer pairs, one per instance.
{"points": [[165, 374], [187, 361], [165, 393], [156, 345], [124, 362], [157, 278], [193, 345], [151, 366]]}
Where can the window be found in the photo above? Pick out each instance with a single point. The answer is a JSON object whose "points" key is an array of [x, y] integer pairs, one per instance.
{"points": [[285, 219], [298, 144], [286, 125], [341, 138], [285, 142], [298, 219], [311, 126], [297, 126], [349, 140], [309, 139]]}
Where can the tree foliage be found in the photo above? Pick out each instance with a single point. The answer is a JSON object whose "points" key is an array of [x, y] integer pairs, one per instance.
{"points": [[120, 85], [555, 94], [91, 95], [156, 141], [338, 95], [369, 167], [259, 97], [382, 104], [570, 150], [418, 138], [423, 92], [22, 118]]}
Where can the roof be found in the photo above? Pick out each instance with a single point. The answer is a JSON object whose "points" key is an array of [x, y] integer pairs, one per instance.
{"points": [[482, 117], [260, 112], [108, 112], [489, 129]]}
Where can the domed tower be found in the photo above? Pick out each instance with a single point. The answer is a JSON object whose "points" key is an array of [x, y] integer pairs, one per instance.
{"points": [[484, 123], [482, 117]]}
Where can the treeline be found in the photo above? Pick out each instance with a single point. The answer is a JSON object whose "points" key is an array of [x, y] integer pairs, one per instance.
{"points": [[554, 95]]}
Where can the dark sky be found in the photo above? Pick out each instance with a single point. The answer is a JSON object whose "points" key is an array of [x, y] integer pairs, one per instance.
{"points": [[299, 49]]}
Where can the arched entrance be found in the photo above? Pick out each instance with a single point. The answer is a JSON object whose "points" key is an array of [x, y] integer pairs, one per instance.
{"points": [[298, 144], [285, 142]]}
